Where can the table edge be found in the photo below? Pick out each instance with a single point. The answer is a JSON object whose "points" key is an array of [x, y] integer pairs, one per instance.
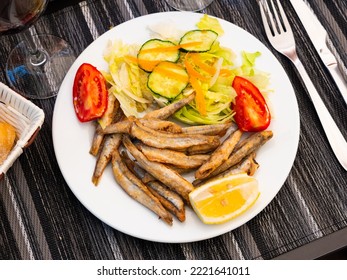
{"points": [[318, 248]]}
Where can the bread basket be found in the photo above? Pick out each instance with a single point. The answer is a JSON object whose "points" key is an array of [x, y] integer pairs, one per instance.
{"points": [[25, 116]]}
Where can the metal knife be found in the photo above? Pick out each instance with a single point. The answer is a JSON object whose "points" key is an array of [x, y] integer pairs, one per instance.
{"points": [[320, 38]]}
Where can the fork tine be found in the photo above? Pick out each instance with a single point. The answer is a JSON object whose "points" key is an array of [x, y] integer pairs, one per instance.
{"points": [[278, 25], [267, 18], [284, 17]]}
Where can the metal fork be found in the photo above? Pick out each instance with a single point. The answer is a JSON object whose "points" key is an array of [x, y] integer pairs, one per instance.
{"points": [[280, 35]]}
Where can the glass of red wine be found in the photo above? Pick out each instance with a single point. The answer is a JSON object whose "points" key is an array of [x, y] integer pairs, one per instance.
{"points": [[35, 67]]}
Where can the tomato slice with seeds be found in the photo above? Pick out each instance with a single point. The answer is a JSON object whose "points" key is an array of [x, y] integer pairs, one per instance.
{"points": [[251, 110], [89, 93]]}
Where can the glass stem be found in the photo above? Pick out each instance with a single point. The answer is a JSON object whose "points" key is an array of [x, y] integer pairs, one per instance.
{"points": [[37, 57]]}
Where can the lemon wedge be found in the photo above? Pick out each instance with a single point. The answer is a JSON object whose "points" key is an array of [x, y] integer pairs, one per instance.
{"points": [[223, 199]]}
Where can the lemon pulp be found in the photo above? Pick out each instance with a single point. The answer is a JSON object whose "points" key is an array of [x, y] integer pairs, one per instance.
{"points": [[223, 199]]}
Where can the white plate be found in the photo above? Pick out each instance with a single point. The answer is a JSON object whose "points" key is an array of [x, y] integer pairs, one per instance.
{"points": [[108, 201]]}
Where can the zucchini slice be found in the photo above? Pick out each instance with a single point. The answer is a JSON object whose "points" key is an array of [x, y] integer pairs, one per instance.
{"points": [[168, 79], [205, 38], [154, 51]]}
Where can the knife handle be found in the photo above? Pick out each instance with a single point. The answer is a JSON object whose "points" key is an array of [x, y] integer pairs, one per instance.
{"points": [[334, 135], [339, 79]]}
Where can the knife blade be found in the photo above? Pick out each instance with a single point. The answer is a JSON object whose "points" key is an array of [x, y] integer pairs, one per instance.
{"points": [[319, 37]]}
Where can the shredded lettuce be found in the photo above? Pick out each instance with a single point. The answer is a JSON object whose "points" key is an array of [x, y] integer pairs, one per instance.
{"points": [[191, 116], [249, 71], [227, 54], [127, 80]]}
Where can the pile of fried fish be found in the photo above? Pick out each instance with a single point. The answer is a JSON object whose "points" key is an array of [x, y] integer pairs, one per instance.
{"points": [[151, 154]]}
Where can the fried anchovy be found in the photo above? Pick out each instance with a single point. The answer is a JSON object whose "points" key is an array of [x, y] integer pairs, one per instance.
{"points": [[167, 111], [247, 165], [212, 129], [178, 141], [161, 172], [161, 125], [250, 144], [123, 126], [201, 149], [169, 199], [155, 124], [109, 116], [219, 156], [110, 145], [134, 187], [175, 158]]}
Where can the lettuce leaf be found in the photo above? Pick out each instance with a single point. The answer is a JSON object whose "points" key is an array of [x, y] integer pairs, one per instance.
{"points": [[248, 62], [207, 22], [126, 79]]}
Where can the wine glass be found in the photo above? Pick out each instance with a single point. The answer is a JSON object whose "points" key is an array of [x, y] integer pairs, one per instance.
{"points": [[36, 67], [189, 5]]}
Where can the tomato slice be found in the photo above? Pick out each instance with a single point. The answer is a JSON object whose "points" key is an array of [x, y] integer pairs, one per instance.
{"points": [[251, 110], [89, 93]]}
